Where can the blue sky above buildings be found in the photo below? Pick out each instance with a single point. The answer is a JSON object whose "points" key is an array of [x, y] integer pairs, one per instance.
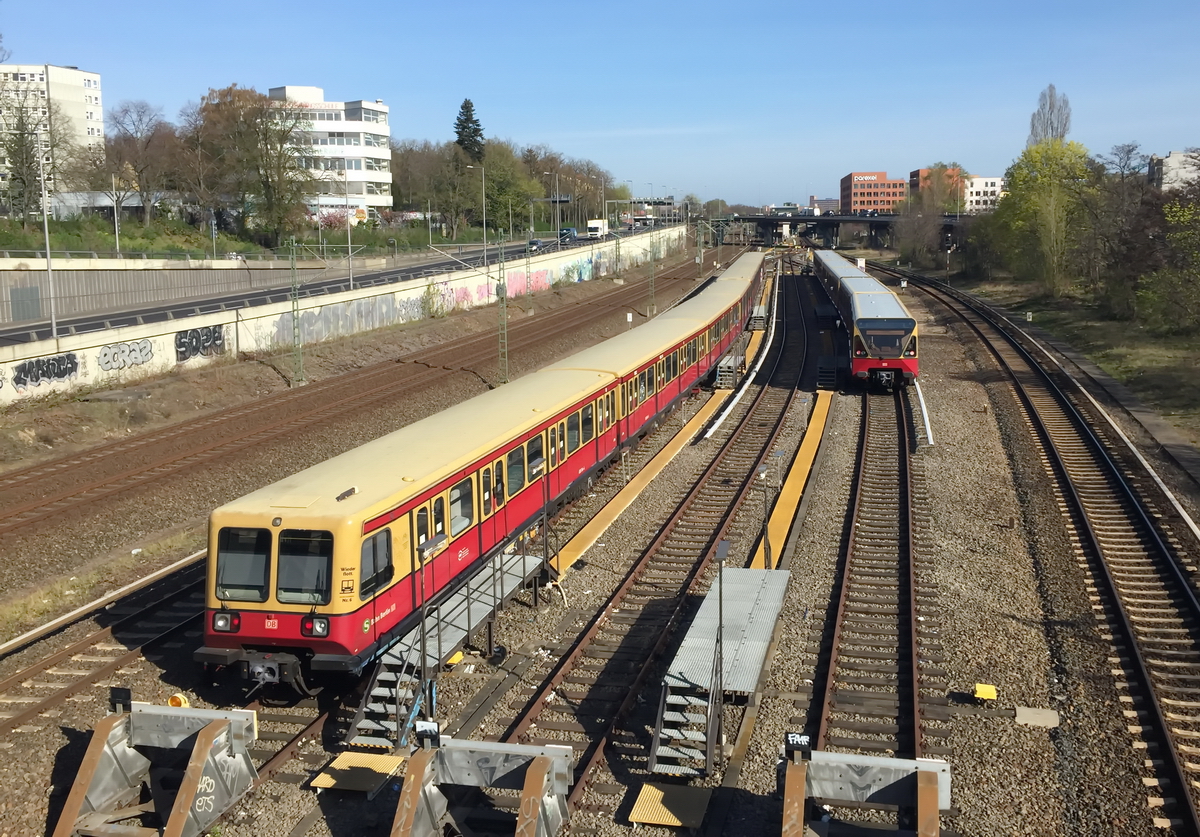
{"points": [[757, 103]]}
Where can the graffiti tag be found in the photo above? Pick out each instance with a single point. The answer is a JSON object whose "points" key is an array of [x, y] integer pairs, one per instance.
{"points": [[45, 370], [196, 342], [123, 355]]}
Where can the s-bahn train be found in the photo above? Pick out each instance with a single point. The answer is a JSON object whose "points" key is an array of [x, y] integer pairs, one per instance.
{"points": [[321, 572], [882, 334]]}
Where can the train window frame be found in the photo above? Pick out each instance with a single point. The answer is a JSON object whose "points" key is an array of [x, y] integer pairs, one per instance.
{"points": [[223, 550], [318, 596], [562, 441], [553, 446], [515, 457], [587, 424], [499, 466], [574, 435], [381, 574], [464, 501], [485, 491], [438, 509], [421, 521], [535, 460]]}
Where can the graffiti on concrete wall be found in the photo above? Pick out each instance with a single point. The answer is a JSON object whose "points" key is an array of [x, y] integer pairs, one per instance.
{"points": [[117, 356], [45, 370], [519, 282], [199, 342], [343, 318]]}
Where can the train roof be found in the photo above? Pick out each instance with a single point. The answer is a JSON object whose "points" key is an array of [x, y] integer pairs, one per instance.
{"points": [[425, 451], [870, 297], [744, 267]]}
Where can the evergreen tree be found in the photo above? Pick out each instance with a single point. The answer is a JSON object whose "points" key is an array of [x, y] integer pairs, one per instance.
{"points": [[468, 133]]}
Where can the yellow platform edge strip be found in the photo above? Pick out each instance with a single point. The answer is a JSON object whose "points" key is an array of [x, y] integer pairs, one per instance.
{"points": [[784, 512]]}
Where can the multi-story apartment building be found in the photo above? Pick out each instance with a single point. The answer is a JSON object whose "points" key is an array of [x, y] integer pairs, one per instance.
{"points": [[45, 91], [1174, 170], [351, 151], [981, 194], [871, 190]]}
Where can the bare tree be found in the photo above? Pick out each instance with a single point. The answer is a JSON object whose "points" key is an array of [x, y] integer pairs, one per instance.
{"points": [[1052, 119], [142, 141]]}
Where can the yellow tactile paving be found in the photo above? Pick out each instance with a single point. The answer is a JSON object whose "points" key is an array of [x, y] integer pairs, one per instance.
{"points": [[670, 805], [589, 534], [784, 512], [364, 772]]}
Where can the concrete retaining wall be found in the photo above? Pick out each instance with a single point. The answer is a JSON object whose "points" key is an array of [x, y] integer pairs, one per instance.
{"points": [[121, 356]]}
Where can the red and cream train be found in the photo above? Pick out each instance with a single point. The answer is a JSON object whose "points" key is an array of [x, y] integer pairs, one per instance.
{"points": [[320, 572]]}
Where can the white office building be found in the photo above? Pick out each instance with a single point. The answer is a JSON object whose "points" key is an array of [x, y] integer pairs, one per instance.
{"points": [[981, 194], [351, 151], [1175, 170]]}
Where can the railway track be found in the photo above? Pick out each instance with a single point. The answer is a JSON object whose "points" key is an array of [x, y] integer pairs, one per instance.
{"points": [[595, 684], [47, 491], [1140, 563]]}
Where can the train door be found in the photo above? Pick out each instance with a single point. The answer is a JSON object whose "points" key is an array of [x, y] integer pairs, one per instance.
{"points": [[557, 451], [429, 541], [491, 507], [375, 575]]}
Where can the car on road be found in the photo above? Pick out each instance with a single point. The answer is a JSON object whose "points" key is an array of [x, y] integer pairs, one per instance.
{"points": [[535, 245]]}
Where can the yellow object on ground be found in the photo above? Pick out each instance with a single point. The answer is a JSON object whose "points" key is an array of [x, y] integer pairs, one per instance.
{"points": [[363, 772], [589, 534], [455, 658], [985, 691], [671, 805], [784, 512]]}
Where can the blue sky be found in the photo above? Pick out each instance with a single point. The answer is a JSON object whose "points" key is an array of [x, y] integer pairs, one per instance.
{"points": [[755, 103]]}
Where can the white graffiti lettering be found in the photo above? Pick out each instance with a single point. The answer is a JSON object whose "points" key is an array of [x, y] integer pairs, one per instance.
{"points": [[117, 356]]}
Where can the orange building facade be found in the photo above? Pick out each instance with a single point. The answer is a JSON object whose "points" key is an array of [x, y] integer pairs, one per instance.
{"points": [[871, 190]]}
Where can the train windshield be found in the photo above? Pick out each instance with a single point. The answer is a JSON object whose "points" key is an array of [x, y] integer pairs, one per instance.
{"points": [[305, 564], [242, 559], [885, 338]]}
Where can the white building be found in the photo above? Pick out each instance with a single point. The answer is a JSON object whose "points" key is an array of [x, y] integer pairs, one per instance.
{"points": [[981, 194], [1174, 170], [76, 94], [351, 151]]}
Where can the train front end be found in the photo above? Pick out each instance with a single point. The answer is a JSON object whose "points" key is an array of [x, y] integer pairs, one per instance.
{"points": [[272, 612], [884, 351]]}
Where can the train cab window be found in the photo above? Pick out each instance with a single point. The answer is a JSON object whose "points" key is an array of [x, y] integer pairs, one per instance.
{"points": [[243, 556], [375, 568], [305, 565], [573, 432], [885, 338], [553, 446], [516, 470], [586, 424], [462, 507]]}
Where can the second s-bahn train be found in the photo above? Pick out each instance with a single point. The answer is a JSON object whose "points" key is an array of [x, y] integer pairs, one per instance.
{"points": [[882, 333], [323, 571]]}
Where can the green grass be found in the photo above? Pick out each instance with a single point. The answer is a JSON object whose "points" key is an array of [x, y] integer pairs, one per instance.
{"points": [[1160, 370]]}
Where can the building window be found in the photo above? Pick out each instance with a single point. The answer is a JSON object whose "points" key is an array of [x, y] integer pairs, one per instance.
{"points": [[374, 140], [378, 165], [379, 188]]}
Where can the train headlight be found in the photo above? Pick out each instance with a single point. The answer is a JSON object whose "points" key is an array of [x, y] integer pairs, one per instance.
{"points": [[227, 621], [317, 626]]}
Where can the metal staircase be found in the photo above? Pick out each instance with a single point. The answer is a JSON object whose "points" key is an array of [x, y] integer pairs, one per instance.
{"points": [[688, 730], [392, 702]]}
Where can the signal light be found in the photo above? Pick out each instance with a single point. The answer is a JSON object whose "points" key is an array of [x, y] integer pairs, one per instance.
{"points": [[227, 621], [317, 626]]}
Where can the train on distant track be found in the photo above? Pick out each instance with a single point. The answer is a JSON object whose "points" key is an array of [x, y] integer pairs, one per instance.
{"points": [[323, 571], [881, 333]]}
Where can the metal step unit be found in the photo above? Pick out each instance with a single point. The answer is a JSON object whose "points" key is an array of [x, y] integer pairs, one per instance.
{"points": [[729, 370], [395, 698]]}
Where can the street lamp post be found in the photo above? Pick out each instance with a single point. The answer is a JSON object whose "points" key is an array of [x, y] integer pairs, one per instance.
{"points": [[483, 171], [46, 234]]}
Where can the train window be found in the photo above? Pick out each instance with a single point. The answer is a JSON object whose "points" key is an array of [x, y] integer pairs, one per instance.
{"points": [[516, 470], [375, 570], [533, 456], [485, 488], [642, 386], [439, 516], [562, 441], [586, 423], [553, 446], [462, 507], [422, 525], [305, 564], [610, 411], [499, 484], [242, 559], [573, 431]]}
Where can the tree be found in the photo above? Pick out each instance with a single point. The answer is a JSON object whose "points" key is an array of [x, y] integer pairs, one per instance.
{"points": [[35, 147], [918, 230], [1041, 211], [1051, 120], [468, 133], [142, 143]]}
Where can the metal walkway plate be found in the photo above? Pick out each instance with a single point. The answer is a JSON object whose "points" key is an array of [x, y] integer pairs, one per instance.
{"points": [[362, 772], [671, 805], [449, 624], [753, 599]]}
